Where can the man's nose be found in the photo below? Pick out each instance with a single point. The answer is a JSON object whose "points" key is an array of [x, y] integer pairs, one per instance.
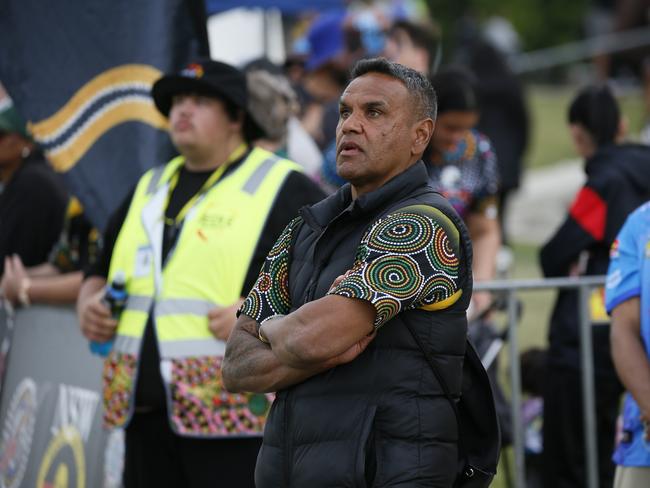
{"points": [[352, 123], [184, 105]]}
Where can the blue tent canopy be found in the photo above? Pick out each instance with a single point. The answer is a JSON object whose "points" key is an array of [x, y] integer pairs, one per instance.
{"points": [[286, 6]]}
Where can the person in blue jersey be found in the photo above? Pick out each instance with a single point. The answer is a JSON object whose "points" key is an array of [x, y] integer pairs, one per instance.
{"points": [[627, 296]]}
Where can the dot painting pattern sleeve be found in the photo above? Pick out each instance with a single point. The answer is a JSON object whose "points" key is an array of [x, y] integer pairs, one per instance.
{"points": [[270, 295], [409, 259]]}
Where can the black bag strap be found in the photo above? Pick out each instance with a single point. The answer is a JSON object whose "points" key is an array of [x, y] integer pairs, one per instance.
{"points": [[468, 470]]}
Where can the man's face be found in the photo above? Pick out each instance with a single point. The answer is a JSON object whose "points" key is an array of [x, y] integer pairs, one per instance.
{"points": [[377, 136], [11, 147], [451, 128], [199, 123]]}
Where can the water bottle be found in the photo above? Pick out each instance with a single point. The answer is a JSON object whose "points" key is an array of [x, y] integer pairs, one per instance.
{"points": [[115, 299]]}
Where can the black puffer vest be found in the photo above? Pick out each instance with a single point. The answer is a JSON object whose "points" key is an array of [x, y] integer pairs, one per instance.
{"points": [[381, 420]]}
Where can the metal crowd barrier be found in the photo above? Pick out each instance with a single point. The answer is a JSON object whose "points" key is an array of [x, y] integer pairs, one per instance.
{"points": [[41, 332], [584, 285]]}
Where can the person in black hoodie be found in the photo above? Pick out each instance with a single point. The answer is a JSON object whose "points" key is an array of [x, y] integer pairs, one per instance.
{"points": [[618, 181]]}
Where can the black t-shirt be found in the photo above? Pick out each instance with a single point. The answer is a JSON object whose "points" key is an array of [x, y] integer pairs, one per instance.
{"points": [[79, 242], [32, 208], [297, 190]]}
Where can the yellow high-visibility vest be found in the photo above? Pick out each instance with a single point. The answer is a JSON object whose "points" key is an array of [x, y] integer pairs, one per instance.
{"points": [[206, 268]]}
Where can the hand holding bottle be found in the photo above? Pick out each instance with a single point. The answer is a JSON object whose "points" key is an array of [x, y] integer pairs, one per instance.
{"points": [[113, 301]]}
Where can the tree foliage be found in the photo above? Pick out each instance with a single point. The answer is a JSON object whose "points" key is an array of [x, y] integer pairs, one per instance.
{"points": [[540, 23]]}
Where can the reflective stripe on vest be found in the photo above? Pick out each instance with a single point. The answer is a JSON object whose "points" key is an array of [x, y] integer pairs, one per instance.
{"points": [[139, 303], [157, 173], [174, 349]]}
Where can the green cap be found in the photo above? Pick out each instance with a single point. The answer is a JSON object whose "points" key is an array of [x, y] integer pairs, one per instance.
{"points": [[10, 120]]}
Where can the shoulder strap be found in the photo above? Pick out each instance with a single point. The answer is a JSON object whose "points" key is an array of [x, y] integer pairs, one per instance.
{"points": [[469, 475], [443, 385]]}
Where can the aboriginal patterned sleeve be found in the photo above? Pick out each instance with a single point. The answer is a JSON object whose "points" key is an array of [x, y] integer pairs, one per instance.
{"points": [[270, 295], [409, 259]]}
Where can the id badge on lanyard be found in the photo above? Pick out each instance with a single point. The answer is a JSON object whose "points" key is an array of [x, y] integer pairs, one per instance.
{"points": [[143, 261]]}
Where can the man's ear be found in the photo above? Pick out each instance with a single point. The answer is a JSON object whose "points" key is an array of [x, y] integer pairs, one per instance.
{"points": [[423, 133]]}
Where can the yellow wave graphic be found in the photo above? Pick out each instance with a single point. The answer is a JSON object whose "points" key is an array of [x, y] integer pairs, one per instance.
{"points": [[68, 154], [65, 158]]}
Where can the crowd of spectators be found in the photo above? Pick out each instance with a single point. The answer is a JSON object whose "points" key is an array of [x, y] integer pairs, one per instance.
{"points": [[474, 159]]}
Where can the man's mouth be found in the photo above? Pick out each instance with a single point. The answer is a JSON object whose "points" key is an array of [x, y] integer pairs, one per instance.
{"points": [[349, 148], [182, 125]]}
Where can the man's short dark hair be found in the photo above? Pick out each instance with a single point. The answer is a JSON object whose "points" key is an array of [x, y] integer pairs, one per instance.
{"points": [[419, 87], [597, 111], [423, 36]]}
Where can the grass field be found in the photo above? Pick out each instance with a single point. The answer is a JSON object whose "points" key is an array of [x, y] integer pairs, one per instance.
{"points": [[549, 144]]}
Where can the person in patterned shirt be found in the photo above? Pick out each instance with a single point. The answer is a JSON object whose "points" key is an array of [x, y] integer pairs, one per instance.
{"points": [[463, 167], [331, 323]]}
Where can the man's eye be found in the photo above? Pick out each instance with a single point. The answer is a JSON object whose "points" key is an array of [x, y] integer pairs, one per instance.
{"points": [[344, 113], [373, 113]]}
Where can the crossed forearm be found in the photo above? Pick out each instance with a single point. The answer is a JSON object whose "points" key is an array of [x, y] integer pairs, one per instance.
{"points": [[250, 365], [318, 336]]}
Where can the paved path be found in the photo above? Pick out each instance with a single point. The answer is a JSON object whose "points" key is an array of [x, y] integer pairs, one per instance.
{"points": [[541, 202]]}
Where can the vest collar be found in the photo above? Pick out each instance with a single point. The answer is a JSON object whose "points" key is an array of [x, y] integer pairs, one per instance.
{"points": [[321, 214]]}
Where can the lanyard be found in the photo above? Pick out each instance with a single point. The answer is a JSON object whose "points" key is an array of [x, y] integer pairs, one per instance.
{"points": [[209, 183]]}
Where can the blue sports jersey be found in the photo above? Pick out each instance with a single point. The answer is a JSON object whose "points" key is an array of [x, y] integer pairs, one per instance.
{"points": [[628, 277]]}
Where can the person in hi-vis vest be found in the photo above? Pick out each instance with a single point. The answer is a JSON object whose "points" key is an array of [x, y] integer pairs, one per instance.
{"points": [[190, 240]]}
